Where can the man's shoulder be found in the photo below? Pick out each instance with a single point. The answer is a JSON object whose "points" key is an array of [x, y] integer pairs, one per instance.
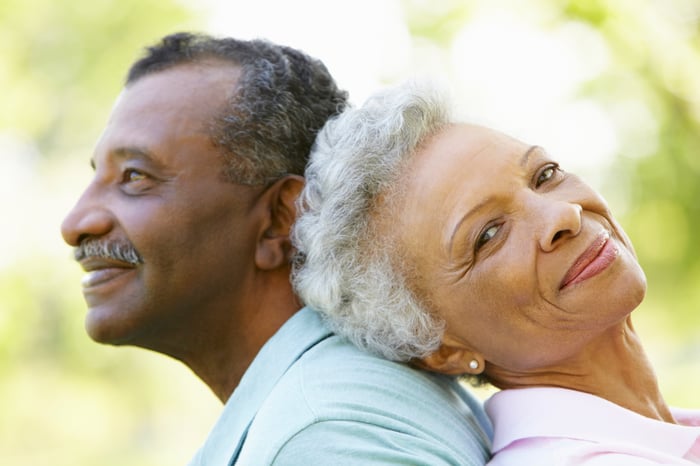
{"points": [[335, 372], [334, 389], [335, 363]]}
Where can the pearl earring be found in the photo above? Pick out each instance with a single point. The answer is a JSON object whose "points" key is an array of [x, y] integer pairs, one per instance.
{"points": [[473, 364]]}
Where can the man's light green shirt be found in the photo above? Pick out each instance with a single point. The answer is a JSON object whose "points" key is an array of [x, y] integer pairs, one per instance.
{"points": [[311, 398]]}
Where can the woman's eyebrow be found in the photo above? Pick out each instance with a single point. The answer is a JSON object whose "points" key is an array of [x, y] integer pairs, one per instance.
{"points": [[526, 156], [464, 217], [523, 162]]}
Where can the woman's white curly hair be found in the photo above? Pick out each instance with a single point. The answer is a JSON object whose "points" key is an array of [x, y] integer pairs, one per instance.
{"points": [[345, 267]]}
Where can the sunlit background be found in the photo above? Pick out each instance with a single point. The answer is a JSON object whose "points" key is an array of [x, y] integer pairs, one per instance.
{"points": [[610, 87]]}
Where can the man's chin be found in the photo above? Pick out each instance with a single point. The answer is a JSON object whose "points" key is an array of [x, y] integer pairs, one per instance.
{"points": [[109, 331]]}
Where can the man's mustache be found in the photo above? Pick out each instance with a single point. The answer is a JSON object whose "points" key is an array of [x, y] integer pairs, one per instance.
{"points": [[122, 251]]}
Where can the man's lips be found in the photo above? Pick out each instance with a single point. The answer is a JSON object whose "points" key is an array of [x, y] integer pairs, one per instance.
{"points": [[596, 258], [100, 270]]}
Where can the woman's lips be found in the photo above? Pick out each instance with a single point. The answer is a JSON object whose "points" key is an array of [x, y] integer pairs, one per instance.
{"points": [[596, 258]]}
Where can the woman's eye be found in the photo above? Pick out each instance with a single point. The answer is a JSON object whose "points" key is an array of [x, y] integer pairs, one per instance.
{"points": [[546, 174], [487, 235], [131, 175]]}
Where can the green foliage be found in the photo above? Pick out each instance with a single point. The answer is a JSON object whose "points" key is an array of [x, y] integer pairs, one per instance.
{"points": [[64, 61], [439, 22]]}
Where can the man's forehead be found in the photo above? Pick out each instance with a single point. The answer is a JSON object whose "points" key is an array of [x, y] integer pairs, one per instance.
{"points": [[182, 94], [199, 74]]}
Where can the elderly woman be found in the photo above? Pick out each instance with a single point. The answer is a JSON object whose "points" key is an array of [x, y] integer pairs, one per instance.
{"points": [[467, 252]]}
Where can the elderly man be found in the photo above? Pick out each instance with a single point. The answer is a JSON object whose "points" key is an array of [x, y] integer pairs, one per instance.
{"points": [[184, 235]]}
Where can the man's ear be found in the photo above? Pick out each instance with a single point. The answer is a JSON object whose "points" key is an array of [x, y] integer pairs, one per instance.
{"points": [[274, 246], [453, 357]]}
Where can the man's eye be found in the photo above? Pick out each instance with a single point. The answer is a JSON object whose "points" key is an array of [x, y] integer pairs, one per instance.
{"points": [[546, 174], [486, 236], [131, 175]]}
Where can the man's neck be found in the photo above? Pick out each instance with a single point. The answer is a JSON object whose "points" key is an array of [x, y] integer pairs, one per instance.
{"points": [[225, 354]]}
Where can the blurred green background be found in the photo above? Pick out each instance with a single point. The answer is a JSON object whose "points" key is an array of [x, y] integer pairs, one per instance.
{"points": [[610, 87]]}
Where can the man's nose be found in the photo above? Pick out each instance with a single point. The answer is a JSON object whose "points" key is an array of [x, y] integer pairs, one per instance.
{"points": [[559, 220], [88, 218]]}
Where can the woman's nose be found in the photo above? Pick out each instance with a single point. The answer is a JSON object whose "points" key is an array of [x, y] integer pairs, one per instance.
{"points": [[88, 218], [560, 219]]}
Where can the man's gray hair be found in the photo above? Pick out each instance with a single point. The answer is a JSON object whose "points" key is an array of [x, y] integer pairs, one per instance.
{"points": [[281, 100], [346, 266]]}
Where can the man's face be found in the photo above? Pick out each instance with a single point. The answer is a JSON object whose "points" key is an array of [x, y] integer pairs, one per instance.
{"points": [[159, 190]]}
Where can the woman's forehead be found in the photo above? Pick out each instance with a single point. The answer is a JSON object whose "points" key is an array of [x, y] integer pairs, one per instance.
{"points": [[460, 150]]}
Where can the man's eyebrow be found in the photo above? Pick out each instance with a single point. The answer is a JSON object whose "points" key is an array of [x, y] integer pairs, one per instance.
{"points": [[129, 152], [133, 152]]}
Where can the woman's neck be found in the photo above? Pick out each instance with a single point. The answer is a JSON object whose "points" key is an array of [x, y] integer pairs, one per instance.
{"points": [[614, 366]]}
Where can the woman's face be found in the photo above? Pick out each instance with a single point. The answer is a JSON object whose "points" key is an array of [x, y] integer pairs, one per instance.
{"points": [[522, 260]]}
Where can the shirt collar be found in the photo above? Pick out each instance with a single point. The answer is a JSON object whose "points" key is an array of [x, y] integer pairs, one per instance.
{"points": [[302, 331], [557, 412]]}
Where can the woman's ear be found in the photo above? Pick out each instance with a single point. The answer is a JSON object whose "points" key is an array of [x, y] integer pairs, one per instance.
{"points": [[274, 246], [453, 357]]}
